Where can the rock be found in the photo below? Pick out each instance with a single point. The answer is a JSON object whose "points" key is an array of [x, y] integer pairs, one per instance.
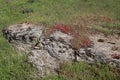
{"points": [[7, 1], [57, 35], [47, 53], [111, 42], [100, 57], [82, 51], [27, 10], [24, 33], [101, 40], [115, 63], [43, 61]]}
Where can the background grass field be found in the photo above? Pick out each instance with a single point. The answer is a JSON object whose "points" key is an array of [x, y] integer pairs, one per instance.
{"points": [[14, 66]]}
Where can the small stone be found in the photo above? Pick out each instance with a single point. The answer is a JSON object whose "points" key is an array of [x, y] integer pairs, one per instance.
{"points": [[111, 42], [7, 1], [82, 51], [27, 10], [61, 51], [118, 33], [36, 47], [100, 57], [101, 40]]}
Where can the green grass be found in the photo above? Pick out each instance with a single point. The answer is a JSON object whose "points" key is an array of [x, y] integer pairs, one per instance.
{"points": [[14, 66], [84, 71]]}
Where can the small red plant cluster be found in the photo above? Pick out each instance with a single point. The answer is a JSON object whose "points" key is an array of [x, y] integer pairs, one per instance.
{"points": [[115, 56], [80, 40], [86, 42], [63, 28]]}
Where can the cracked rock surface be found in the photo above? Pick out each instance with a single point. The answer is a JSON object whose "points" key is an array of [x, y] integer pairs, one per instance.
{"points": [[47, 53]]}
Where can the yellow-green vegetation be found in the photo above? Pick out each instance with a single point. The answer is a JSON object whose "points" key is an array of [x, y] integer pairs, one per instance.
{"points": [[14, 66]]}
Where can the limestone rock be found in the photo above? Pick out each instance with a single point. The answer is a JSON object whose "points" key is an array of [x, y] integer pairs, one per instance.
{"points": [[24, 33], [46, 53]]}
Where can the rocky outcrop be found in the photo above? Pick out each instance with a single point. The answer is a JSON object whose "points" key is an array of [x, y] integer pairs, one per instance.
{"points": [[47, 53]]}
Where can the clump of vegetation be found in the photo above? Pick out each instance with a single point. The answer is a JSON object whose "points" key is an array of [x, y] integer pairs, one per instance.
{"points": [[84, 71], [80, 38], [27, 10], [17, 67], [63, 28]]}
